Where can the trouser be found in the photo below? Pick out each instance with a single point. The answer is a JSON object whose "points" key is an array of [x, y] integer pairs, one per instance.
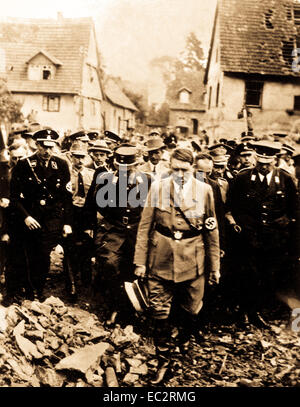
{"points": [[114, 266], [78, 250], [38, 245], [16, 270], [261, 275], [188, 296]]}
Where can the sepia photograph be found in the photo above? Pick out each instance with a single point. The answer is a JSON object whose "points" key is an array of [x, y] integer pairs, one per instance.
{"points": [[149, 197]]}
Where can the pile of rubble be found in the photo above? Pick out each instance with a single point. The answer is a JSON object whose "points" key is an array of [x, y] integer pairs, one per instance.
{"points": [[50, 344]]}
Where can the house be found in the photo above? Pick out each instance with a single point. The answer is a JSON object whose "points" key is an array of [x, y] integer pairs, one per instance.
{"points": [[185, 99], [53, 69], [118, 110], [251, 68]]}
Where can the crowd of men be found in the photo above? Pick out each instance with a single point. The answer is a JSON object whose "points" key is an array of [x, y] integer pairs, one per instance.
{"points": [[177, 214]]}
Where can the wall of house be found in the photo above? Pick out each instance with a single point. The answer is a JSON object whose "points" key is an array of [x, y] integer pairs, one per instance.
{"points": [[90, 80], [91, 118], [183, 118], [66, 119], [277, 97], [117, 118]]}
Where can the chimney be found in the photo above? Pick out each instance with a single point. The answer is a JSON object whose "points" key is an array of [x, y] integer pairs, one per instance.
{"points": [[60, 17]]}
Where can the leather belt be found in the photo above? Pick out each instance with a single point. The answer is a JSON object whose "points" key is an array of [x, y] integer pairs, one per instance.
{"points": [[176, 234]]}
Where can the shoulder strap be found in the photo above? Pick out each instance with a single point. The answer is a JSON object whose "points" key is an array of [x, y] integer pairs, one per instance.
{"points": [[179, 209], [33, 172]]}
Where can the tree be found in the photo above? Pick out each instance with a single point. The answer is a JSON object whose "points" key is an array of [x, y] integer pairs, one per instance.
{"points": [[158, 116], [139, 102], [10, 110], [193, 55]]}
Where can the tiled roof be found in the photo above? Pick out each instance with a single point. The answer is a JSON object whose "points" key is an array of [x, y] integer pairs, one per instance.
{"points": [[116, 96], [66, 41], [192, 81], [256, 36]]}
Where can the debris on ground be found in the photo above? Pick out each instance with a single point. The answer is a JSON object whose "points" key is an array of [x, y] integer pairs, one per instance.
{"points": [[50, 344]]}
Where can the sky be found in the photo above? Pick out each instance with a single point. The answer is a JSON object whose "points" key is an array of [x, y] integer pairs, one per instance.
{"points": [[130, 33]]}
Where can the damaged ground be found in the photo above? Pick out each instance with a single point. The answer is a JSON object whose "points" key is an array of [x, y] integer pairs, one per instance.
{"points": [[60, 343]]}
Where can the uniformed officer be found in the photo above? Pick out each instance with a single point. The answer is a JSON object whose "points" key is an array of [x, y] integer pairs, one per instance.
{"points": [[113, 141], [285, 156], [246, 156], [261, 204], [177, 231], [218, 172], [221, 170], [78, 245], [120, 198], [41, 198]]}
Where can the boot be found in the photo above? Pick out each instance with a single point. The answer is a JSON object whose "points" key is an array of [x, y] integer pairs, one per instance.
{"points": [[257, 320], [162, 343], [162, 368], [189, 326]]}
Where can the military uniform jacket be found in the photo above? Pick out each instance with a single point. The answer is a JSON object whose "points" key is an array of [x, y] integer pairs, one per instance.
{"points": [[40, 192], [120, 211], [178, 260], [115, 198], [258, 211]]}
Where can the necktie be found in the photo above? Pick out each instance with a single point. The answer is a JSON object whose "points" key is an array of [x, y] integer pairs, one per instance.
{"points": [[154, 169], [80, 189], [264, 184]]}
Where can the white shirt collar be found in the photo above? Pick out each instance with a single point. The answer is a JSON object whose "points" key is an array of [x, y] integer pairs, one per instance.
{"points": [[269, 176]]}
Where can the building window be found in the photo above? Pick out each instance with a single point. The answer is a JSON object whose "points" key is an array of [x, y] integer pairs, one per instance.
{"points": [[46, 74], [51, 103], [253, 92], [297, 103], [184, 96], [297, 14]]}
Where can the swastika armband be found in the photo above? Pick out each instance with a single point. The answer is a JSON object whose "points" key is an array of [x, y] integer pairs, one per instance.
{"points": [[210, 223]]}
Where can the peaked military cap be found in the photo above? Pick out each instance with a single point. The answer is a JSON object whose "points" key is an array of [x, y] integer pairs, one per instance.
{"points": [[287, 149], [219, 149], [47, 136], [125, 155], [112, 136], [92, 135], [266, 150], [80, 135], [196, 146], [247, 136], [244, 149], [220, 160]]}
